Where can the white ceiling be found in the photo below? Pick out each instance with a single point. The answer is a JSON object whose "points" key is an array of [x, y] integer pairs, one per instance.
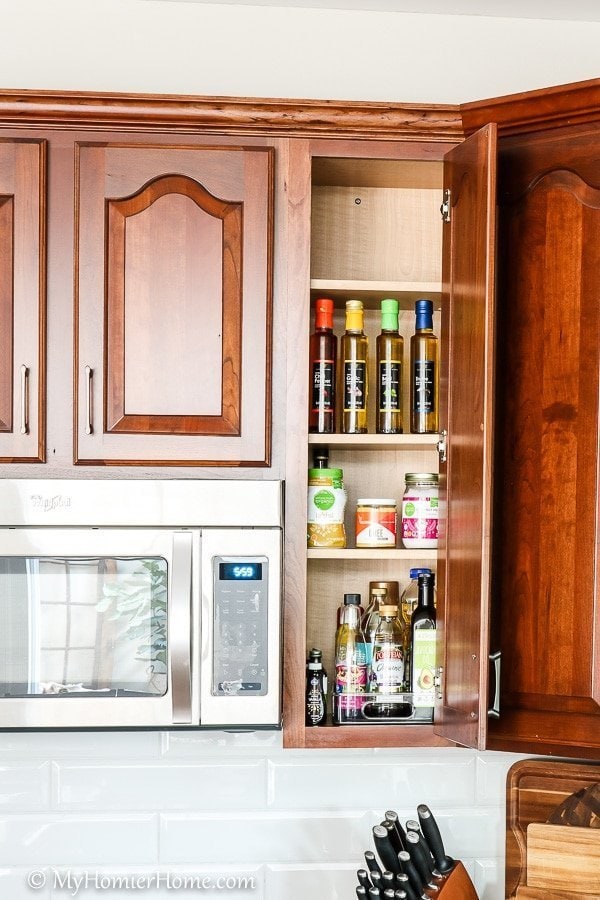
{"points": [[569, 10]]}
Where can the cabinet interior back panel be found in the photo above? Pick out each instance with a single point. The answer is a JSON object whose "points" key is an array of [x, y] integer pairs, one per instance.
{"points": [[376, 234]]}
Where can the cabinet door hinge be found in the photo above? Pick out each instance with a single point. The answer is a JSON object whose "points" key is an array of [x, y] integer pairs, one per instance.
{"points": [[445, 207], [442, 445], [437, 681]]}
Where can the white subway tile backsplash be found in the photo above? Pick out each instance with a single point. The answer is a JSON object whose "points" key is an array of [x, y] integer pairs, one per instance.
{"points": [[492, 769], [80, 745], [295, 782], [489, 879], [202, 786], [195, 744], [14, 884], [299, 821], [70, 840], [297, 882], [268, 837], [24, 787]]}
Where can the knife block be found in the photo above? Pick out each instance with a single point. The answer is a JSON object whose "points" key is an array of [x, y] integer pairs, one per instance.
{"points": [[458, 886]]}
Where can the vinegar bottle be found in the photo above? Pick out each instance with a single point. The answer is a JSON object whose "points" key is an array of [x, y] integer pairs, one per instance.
{"points": [[423, 631], [354, 377], [323, 353], [390, 352], [424, 372]]}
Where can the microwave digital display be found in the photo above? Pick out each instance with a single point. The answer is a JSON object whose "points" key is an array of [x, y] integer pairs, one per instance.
{"points": [[240, 571]]}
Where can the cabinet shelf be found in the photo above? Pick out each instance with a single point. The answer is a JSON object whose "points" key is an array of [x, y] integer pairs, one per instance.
{"points": [[376, 441], [369, 553], [384, 735], [372, 292]]}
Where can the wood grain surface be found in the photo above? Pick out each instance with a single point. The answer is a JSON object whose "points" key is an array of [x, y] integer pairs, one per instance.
{"points": [[561, 857]]}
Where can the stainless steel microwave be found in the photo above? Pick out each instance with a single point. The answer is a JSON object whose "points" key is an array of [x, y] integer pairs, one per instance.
{"points": [[140, 604]]}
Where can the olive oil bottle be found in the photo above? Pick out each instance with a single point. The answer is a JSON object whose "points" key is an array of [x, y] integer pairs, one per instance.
{"points": [[424, 372], [390, 353], [323, 353], [354, 374]]}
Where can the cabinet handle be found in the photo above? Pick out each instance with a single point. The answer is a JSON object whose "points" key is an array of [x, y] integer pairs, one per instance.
{"points": [[180, 628], [24, 400], [88, 400], [494, 711]]}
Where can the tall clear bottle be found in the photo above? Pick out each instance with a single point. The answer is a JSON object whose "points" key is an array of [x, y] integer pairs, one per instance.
{"points": [[390, 354], [370, 619], [423, 630], [351, 671], [424, 372], [323, 359], [354, 384]]}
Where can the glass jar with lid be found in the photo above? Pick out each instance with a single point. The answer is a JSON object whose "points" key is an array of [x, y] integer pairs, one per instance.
{"points": [[420, 511]]}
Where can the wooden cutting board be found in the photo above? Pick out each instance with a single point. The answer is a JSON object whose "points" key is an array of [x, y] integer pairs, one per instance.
{"points": [[534, 788], [563, 857]]}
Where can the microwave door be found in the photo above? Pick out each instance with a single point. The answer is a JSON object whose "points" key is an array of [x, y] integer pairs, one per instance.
{"points": [[96, 627]]}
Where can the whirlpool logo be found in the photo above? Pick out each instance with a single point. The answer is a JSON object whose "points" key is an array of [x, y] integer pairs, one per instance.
{"points": [[47, 504]]}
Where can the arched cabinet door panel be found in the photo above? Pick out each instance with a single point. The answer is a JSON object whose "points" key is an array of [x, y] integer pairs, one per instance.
{"points": [[22, 300], [173, 305]]}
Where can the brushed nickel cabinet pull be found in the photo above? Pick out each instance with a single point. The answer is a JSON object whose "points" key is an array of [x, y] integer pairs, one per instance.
{"points": [[88, 400], [24, 400]]}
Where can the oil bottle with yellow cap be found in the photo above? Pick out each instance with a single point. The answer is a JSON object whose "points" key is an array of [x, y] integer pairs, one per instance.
{"points": [[354, 371]]}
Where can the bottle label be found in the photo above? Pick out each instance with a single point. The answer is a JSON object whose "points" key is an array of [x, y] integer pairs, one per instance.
{"points": [[325, 515], [315, 703], [351, 681], [323, 385], [387, 668], [423, 667], [390, 381], [376, 528], [355, 383], [424, 383], [420, 517]]}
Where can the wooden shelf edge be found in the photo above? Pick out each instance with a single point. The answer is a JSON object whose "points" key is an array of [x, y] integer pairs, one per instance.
{"points": [[404, 442], [370, 553], [370, 736]]}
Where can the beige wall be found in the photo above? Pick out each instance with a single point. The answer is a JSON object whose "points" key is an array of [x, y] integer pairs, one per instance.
{"points": [[169, 46]]}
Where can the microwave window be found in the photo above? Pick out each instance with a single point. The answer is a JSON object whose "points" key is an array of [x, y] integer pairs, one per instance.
{"points": [[76, 627]]}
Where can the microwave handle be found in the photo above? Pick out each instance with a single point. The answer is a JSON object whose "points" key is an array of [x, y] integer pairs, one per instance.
{"points": [[180, 628]]}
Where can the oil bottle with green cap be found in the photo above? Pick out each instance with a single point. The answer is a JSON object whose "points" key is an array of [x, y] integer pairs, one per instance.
{"points": [[390, 353]]}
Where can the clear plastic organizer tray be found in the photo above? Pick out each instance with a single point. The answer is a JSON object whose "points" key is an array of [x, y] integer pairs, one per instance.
{"points": [[381, 709]]}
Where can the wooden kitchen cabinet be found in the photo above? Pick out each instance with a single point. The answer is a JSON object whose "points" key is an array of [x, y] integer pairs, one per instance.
{"points": [[140, 186], [173, 303], [22, 300], [377, 231]]}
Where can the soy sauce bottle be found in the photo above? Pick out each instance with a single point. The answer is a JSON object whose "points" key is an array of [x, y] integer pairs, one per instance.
{"points": [[316, 689]]}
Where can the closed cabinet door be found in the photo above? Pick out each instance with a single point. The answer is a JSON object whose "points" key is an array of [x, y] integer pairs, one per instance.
{"points": [[173, 304], [22, 300]]}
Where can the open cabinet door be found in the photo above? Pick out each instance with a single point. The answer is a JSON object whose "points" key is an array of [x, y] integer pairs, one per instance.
{"points": [[466, 388]]}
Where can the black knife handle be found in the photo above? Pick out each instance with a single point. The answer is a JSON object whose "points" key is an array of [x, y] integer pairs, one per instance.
{"points": [[389, 893], [401, 895], [388, 879], [363, 878], [374, 892], [413, 825], [409, 869], [395, 839], [403, 883], [392, 816], [417, 854], [433, 837], [387, 854], [372, 864], [361, 891]]}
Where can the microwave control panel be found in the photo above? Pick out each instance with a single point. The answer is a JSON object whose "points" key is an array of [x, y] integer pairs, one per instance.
{"points": [[241, 594]]}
